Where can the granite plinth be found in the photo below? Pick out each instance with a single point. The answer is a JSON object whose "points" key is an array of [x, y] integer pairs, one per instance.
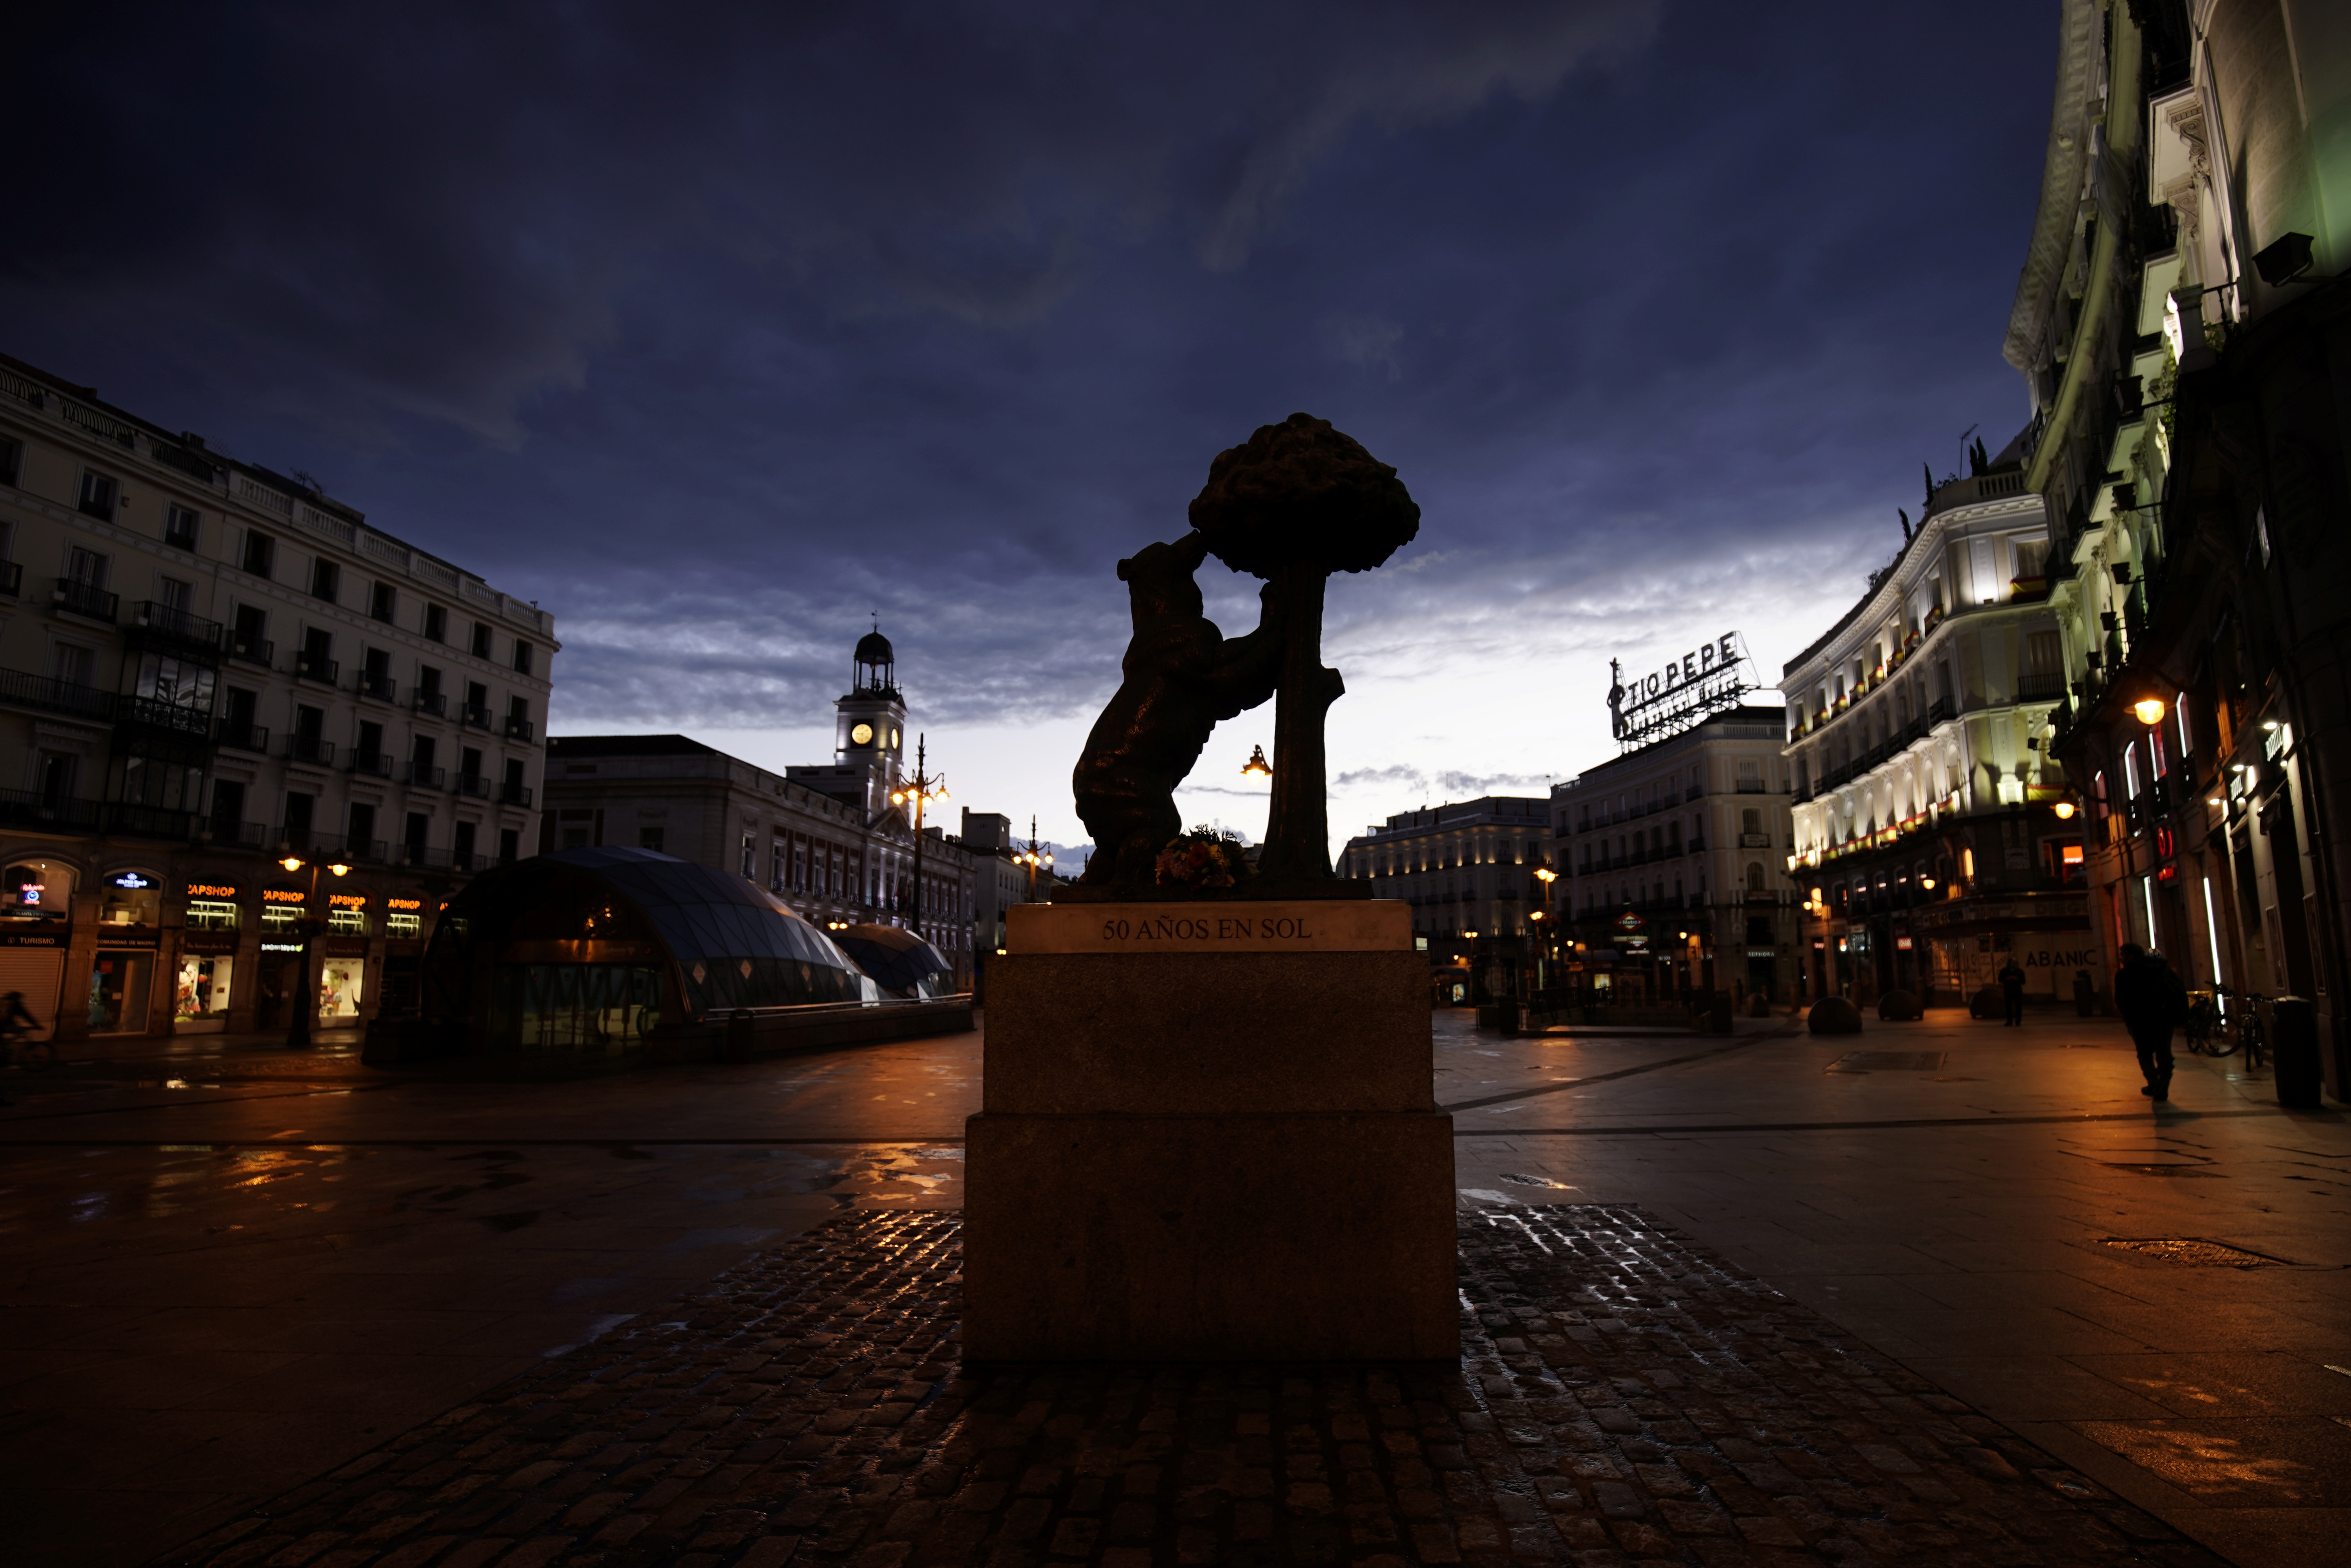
{"points": [[1209, 1135], [1300, 1237], [1072, 1033]]}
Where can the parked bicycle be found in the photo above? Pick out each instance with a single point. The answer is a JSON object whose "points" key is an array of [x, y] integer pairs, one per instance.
{"points": [[2250, 1035], [2205, 1036]]}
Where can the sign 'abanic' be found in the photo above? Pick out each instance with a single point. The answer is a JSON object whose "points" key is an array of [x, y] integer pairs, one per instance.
{"points": [[1685, 692]]}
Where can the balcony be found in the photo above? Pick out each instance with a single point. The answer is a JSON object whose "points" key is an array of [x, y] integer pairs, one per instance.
{"points": [[379, 687], [434, 703], [47, 813], [1751, 787], [312, 843], [479, 718], [2040, 688], [150, 821], [425, 775], [171, 629], [474, 784], [1754, 841], [226, 835], [172, 716], [11, 577], [310, 748], [21, 689], [86, 599], [316, 667], [244, 737], [252, 650], [514, 794], [519, 729], [374, 763]]}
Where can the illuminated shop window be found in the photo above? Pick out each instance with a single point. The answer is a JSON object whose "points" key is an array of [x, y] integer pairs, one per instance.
{"points": [[211, 914], [347, 921], [281, 917]]}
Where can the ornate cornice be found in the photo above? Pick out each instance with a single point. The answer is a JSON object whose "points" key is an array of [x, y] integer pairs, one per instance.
{"points": [[2078, 49]]}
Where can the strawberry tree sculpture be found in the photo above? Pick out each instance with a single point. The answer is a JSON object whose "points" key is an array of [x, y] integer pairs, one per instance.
{"points": [[1294, 503]]}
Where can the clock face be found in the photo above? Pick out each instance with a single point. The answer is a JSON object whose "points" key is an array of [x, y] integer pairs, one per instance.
{"points": [[861, 735], [893, 738]]}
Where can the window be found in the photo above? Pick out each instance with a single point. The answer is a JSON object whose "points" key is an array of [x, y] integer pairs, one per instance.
{"points": [[180, 527], [260, 553], [298, 806], [362, 815], [228, 809], [509, 845], [318, 660], [12, 460], [436, 623], [326, 577], [522, 658], [86, 567], [1755, 876], [750, 861], [481, 641], [460, 845], [250, 639], [71, 666], [173, 594], [381, 599], [575, 838], [649, 839], [98, 494]]}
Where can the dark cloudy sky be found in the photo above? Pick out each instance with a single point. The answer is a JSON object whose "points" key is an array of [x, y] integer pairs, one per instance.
{"points": [[714, 327]]}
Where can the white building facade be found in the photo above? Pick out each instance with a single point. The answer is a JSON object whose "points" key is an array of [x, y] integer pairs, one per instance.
{"points": [[1690, 837], [206, 665], [1929, 837]]}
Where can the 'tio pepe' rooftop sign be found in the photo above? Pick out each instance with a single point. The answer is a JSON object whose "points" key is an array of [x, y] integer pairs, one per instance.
{"points": [[1685, 692]]}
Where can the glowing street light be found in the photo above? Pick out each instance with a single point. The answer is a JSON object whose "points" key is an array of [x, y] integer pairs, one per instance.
{"points": [[306, 997], [920, 790], [1257, 766], [2149, 711], [2064, 809]]}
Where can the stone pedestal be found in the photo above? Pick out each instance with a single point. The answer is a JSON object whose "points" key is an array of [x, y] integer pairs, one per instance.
{"points": [[1208, 1133]]}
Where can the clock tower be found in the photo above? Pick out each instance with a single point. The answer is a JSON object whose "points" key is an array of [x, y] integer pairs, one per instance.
{"points": [[869, 723]]}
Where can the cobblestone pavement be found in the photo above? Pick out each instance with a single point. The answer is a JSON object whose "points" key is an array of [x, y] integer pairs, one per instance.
{"points": [[1624, 1398]]}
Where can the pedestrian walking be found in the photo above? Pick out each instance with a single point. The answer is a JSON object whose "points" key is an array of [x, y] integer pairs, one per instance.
{"points": [[2011, 993], [2152, 1002], [15, 1019], [2086, 993]]}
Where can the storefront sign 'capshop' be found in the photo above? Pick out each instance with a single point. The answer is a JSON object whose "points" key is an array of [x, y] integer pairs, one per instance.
{"points": [[1667, 701]]}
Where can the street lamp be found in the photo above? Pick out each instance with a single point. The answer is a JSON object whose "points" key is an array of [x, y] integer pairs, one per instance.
{"points": [[1032, 860], [919, 789], [2149, 711], [1257, 766], [2065, 808], [306, 1001]]}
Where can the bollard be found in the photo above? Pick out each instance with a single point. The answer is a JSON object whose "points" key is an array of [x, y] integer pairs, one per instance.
{"points": [[2294, 1053], [738, 1035]]}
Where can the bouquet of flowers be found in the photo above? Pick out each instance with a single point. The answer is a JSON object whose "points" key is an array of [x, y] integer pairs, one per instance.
{"points": [[1205, 857]]}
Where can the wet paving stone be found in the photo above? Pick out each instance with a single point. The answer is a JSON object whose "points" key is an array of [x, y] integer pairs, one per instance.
{"points": [[1624, 1398]]}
